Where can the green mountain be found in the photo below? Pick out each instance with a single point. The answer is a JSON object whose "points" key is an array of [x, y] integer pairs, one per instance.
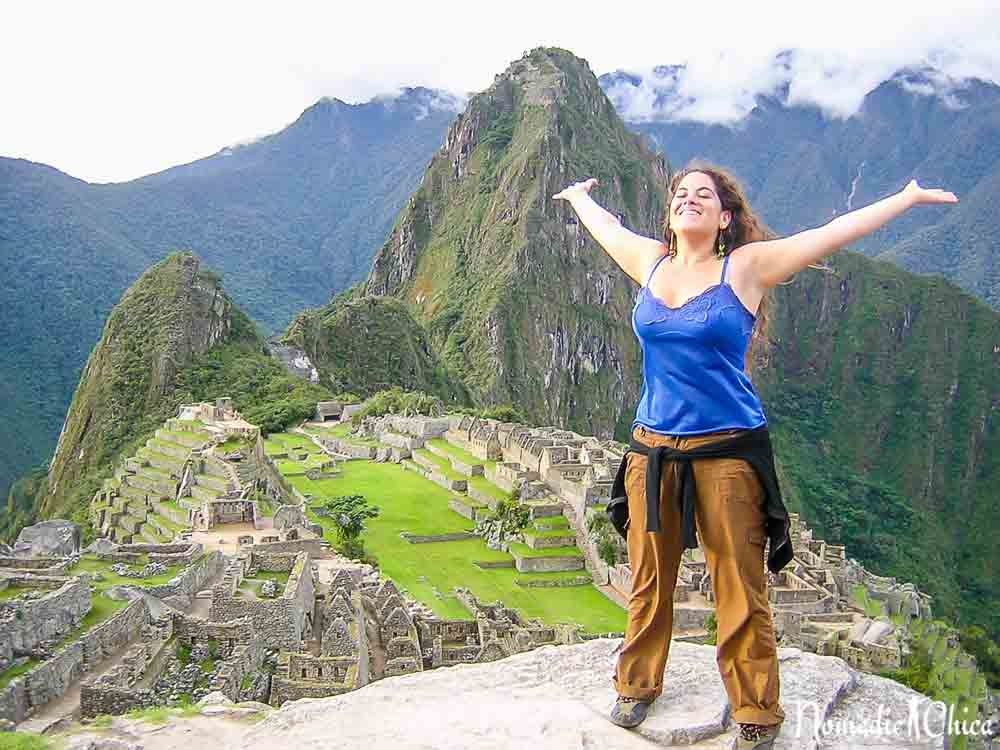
{"points": [[503, 283], [291, 219], [173, 338], [880, 388], [883, 400]]}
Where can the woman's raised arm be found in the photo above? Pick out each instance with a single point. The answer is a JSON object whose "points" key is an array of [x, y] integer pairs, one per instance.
{"points": [[633, 252], [773, 261]]}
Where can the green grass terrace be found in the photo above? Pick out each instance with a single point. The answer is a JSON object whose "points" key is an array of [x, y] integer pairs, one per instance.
{"points": [[410, 503]]}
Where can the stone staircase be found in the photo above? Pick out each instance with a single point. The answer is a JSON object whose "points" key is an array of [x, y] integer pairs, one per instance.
{"points": [[139, 504]]}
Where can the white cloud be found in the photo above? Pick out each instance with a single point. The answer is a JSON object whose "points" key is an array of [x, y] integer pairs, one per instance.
{"points": [[833, 71], [109, 92]]}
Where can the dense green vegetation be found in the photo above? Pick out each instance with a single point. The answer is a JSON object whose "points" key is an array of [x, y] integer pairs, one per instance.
{"points": [[371, 344], [397, 401], [285, 219], [942, 672], [879, 397], [346, 515], [126, 393], [25, 741]]}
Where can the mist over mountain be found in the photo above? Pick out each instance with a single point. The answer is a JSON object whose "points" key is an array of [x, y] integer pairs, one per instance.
{"points": [[803, 164]]}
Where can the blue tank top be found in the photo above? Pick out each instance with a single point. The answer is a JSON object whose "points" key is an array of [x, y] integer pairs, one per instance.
{"points": [[693, 379]]}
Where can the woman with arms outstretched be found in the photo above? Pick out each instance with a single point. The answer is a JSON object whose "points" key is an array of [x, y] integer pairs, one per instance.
{"points": [[700, 454]]}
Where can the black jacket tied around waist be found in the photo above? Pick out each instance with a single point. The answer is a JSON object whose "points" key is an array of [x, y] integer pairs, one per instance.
{"points": [[753, 446]]}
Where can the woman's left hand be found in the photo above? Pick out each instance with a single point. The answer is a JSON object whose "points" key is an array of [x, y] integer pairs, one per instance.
{"points": [[918, 195]]}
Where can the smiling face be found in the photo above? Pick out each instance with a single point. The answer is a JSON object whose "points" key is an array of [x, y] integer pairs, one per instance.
{"points": [[696, 207]]}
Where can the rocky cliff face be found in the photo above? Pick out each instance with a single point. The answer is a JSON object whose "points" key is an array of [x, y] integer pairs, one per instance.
{"points": [[516, 298], [173, 312]]}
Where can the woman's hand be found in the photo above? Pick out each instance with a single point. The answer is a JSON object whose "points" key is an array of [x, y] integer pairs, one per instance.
{"points": [[918, 195], [577, 188]]}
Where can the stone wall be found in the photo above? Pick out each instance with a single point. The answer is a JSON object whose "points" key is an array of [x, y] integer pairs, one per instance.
{"points": [[56, 613], [315, 547], [6, 644], [168, 554], [228, 636], [193, 579], [280, 623], [51, 678], [245, 659], [284, 690], [50, 566], [272, 561], [307, 676], [277, 487], [14, 701], [112, 635], [424, 538], [118, 690], [424, 427], [97, 699]]}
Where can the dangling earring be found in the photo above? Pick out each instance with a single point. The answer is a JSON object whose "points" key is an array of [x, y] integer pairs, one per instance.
{"points": [[673, 244], [721, 252]]}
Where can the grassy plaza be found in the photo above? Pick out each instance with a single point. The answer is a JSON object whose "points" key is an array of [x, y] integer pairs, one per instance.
{"points": [[408, 502]]}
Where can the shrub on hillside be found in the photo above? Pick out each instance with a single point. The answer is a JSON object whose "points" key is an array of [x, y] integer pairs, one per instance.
{"points": [[509, 518], [609, 546]]}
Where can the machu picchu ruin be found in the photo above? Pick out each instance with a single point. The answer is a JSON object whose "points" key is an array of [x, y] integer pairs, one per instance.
{"points": [[215, 570]]}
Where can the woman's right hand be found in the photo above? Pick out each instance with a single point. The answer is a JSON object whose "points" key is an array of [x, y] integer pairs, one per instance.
{"points": [[577, 188]]}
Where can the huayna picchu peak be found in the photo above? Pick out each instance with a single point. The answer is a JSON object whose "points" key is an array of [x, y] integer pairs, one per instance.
{"points": [[516, 300]]}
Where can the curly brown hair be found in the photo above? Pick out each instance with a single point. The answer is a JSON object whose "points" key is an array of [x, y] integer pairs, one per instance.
{"points": [[745, 227]]}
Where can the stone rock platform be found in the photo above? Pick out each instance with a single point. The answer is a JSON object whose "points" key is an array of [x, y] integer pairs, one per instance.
{"points": [[559, 697]]}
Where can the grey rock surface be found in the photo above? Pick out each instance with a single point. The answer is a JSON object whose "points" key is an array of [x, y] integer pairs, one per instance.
{"points": [[560, 697], [55, 538], [100, 547], [290, 517], [216, 698], [89, 742]]}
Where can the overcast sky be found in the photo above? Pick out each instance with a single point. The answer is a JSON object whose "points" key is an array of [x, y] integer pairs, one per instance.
{"points": [[112, 91]]}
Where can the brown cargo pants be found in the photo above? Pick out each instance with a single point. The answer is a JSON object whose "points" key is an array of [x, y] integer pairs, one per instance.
{"points": [[729, 517]]}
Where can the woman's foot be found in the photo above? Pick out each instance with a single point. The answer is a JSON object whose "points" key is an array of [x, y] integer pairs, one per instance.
{"points": [[629, 712], [756, 736]]}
